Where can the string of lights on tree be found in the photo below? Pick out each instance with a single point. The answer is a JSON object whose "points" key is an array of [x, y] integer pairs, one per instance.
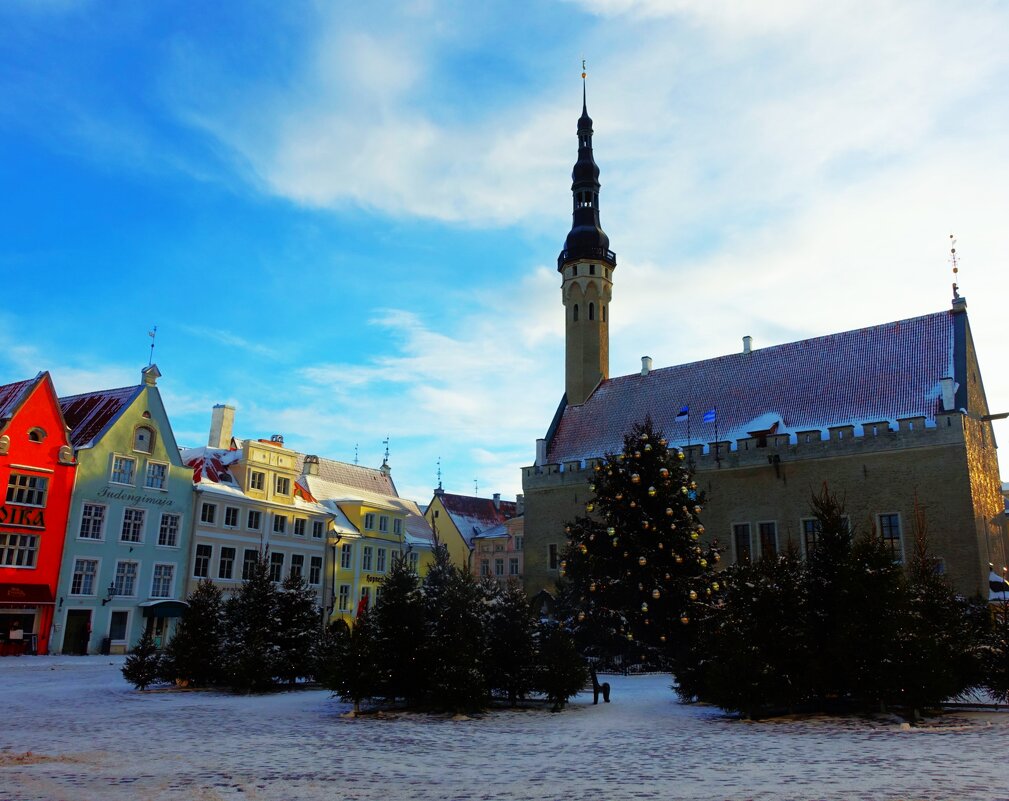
{"points": [[635, 569]]}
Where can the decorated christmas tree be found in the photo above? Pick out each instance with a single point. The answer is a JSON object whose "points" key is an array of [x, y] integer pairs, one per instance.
{"points": [[637, 567]]}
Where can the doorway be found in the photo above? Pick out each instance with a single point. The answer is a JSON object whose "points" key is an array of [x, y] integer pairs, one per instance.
{"points": [[77, 632]]}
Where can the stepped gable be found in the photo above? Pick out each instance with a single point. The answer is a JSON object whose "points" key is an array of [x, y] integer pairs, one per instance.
{"points": [[11, 396], [472, 515], [90, 414], [879, 373]]}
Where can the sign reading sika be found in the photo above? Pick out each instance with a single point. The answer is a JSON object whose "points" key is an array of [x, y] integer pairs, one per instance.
{"points": [[22, 516]]}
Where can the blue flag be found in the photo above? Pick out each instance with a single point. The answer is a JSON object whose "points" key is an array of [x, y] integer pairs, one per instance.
{"points": [[683, 415], [709, 416]]}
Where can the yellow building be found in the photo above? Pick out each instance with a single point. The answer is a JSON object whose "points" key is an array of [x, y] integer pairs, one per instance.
{"points": [[455, 521]]}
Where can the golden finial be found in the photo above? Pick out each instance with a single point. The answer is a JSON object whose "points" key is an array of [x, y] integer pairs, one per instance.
{"points": [[583, 69]]}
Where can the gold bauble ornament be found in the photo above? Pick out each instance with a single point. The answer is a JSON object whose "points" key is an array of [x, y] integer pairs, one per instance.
{"points": [[644, 525], [700, 529], [626, 554], [611, 531], [693, 595], [581, 616], [694, 535], [620, 496], [644, 438], [656, 594], [597, 467], [609, 472], [564, 564], [648, 447], [664, 472], [668, 577], [680, 456], [703, 563], [661, 547], [714, 586], [684, 619], [672, 526], [592, 587], [663, 442], [651, 492], [592, 487], [642, 561], [697, 510], [693, 485], [707, 591], [662, 638], [715, 557], [679, 559], [635, 478], [683, 490], [589, 507], [630, 636], [669, 511], [637, 454], [644, 607], [634, 504], [583, 548], [616, 541]]}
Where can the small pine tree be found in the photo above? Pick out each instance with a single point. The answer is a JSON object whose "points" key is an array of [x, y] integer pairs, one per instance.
{"points": [[454, 638], [143, 666], [637, 571], [195, 653], [511, 648], [298, 635], [349, 668], [398, 616], [996, 653], [561, 670], [252, 632]]}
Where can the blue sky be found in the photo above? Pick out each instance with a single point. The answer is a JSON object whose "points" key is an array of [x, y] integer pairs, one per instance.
{"points": [[344, 218]]}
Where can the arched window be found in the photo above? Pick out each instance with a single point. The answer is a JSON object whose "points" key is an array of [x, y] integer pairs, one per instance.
{"points": [[143, 439], [36, 434], [575, 317], [592, 311]]}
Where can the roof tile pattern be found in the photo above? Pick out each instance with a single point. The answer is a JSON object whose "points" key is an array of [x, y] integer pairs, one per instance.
{"points": [[867, 375], [11, 395], [88, 415], [472, 515], [352, 475]]}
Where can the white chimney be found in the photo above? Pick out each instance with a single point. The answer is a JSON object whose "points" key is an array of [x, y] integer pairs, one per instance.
{"points": [[747, 343], [646, 365], [497, 500], [311, 465], [222, 424], [541, 451], [948, 393]]}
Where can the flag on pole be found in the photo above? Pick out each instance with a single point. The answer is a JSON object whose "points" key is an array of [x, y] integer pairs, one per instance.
{"points": [[684, 414], [709, 416]]}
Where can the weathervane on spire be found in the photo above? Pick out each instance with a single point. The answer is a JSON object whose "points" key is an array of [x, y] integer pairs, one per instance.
{"points": [[583, 69], [152, 334], [439, 472], [355, 453], [476, 487], [385, 442], [952, 258]]}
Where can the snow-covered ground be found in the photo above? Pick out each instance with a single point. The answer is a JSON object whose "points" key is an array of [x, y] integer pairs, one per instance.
{"points": [[91, 736]]}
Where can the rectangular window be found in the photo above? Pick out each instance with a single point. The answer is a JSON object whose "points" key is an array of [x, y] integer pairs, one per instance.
{"points": [[276, 566], [226, 564], [889, 530], [369, 521], [365, 597], [208, 513], [201, 567], [315, 570], [344, 597], [485, 567], [92, 522], [318, 529], [230, 517], [161, 585], [397, 526], [383, 523], [18, 550], [83, 581], [413, 560], [299, 526], [346, 556], [741, 539], [168, 532], [283, 485], [157, 476], [133, 525], [297, 565], [26, 490], [123, 468], [257, 480], [553, 561], [254, 520], [117, 626], [366, 554], [810, 533], [513, 566], [518, 543], [498, 547], [279, 524], [380, 561], [126, 579], [249, 560], [768, 540], [499, 567]]}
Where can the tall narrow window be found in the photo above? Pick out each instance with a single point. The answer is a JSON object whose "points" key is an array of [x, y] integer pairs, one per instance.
{"points": [[741, 538], [226, 564], [592, 311], [553, 561], [276, 566], [249, 561], [575, 313], [344, 604], [133, 525], [889, 529], [315, 570], [768, 540]]}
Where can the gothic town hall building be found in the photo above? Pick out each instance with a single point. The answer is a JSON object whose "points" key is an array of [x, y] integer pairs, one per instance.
{"points": [[887, 416]]}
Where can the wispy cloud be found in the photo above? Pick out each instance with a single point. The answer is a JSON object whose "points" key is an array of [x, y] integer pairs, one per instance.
{"points": [[231, 340]]}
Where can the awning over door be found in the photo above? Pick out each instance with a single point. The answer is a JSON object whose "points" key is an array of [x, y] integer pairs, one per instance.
{"points": [[25, 595], [166, 608]]}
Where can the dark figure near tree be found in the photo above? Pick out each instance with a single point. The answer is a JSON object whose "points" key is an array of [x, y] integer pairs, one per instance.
{"points": [[599, 689]]}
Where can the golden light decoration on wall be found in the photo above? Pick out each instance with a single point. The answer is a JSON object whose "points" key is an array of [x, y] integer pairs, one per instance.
{"points": [[651, 492], [642, 561], [635, 478], [693, 595]]}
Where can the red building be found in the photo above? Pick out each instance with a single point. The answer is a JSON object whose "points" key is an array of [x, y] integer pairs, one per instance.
{"points": [[37, 468]]}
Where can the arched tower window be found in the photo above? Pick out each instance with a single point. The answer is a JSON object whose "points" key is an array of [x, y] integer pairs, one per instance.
{"points": [[592, 311], [574, 318], [604, 313], [143, 439]]}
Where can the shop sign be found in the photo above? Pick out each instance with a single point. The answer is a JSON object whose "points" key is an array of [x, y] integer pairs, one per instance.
{"points": [[22, 516], [370, 579]]}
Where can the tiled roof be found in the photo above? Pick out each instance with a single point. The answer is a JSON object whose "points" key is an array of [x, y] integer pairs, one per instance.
{"points": [[472, 515], [368, 479], [88, 415], [12, 394], [869, 375]]}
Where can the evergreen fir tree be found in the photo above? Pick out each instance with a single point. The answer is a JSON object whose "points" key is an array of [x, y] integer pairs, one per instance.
{"points": [[996, 652], [637, 571], [143, 666], [350, 665], [561, 672], [453, 643], [399, 626], [511, 634], [252, 632], [194, 655], [298, 635]]}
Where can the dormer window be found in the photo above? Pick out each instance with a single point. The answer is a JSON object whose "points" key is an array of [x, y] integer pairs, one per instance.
{"points": [[143, 439], [36, 434]]}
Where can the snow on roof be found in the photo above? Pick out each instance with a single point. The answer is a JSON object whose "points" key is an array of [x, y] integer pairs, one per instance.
{"points": [[872, 374], [473, 515], [998, 587], [210, 465], [90, 414], [368, 479], [325, 490]]}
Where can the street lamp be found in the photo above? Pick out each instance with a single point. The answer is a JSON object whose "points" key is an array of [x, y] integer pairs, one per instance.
{"points": [[110, 593]]}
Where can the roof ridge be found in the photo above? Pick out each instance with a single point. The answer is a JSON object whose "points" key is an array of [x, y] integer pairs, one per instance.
{"points": [[98, 392]]}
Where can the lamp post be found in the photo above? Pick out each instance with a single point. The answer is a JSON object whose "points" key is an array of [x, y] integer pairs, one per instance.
{"points": [[110, 593]]}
